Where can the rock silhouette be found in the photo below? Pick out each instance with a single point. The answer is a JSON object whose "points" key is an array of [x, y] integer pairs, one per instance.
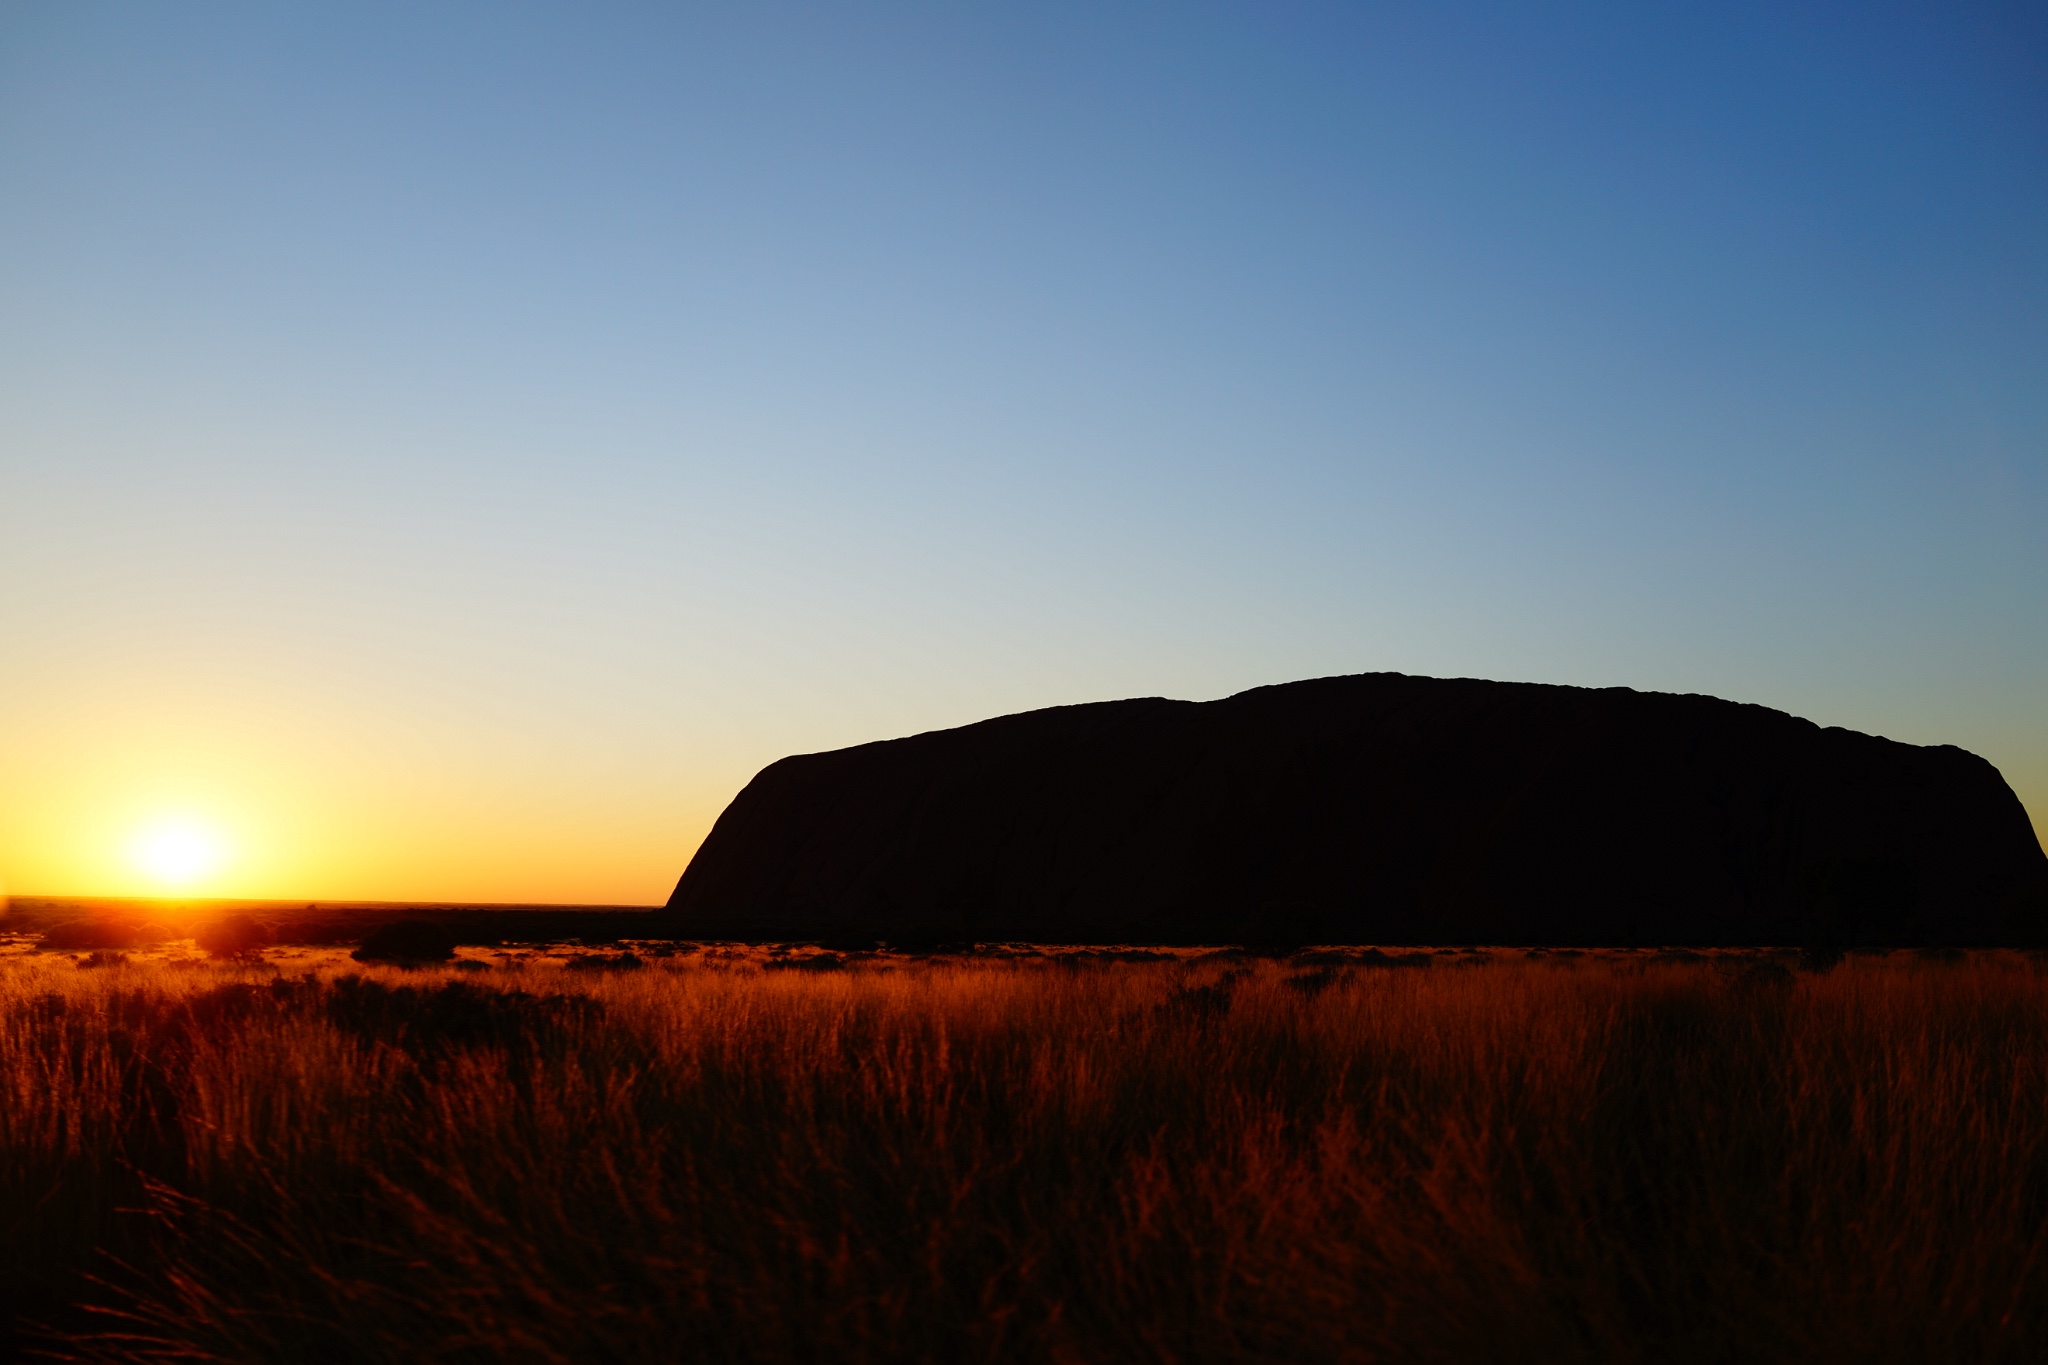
{"points": [[1380, 808]]}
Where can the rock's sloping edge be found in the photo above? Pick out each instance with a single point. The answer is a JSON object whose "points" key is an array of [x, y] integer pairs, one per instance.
{"points": [[1379, 808]]}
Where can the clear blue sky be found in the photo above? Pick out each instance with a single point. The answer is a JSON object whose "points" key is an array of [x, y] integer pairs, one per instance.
{"points": [[453, 446]]}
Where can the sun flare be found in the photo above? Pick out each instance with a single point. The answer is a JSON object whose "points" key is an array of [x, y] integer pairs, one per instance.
{"points": [[179, 853]]}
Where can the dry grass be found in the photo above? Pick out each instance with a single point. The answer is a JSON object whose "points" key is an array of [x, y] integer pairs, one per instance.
{"points": [[1035, 1158]]}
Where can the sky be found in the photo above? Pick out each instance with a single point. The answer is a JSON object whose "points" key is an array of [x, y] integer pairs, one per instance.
{"points": [[447, 449]]}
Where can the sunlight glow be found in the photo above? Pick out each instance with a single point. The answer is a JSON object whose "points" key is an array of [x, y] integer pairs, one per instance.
{"points": [[178, 853]]}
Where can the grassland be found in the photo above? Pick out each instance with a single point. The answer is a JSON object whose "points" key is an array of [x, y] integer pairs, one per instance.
{"points": [[739, 1154]]}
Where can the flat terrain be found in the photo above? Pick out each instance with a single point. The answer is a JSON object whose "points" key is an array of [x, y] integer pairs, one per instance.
{"points": [[654, 1151], [155, 921]]}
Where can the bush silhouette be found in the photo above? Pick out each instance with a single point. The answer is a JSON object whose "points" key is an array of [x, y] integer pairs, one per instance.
{"points": [[91, 934], [429, 1022], [407, 940], [598, 962], [322, 932], [235, 936]]}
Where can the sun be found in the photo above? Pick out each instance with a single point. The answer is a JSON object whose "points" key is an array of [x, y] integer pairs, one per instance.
{"points": [[179, 852]]}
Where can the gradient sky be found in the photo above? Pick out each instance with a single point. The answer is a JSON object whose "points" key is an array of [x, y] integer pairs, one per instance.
{"points": [[446, 449]]}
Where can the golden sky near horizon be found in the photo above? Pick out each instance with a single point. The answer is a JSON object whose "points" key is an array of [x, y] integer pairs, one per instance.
{"points": [[134, 800]]}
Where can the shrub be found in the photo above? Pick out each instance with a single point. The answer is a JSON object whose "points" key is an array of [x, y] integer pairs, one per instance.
{"points": [[598, 962], [1820, 958], [823, 962], [407, 940], [74, 935], [428, 1022], [1312, 983], [234, 936], [321, 932]]}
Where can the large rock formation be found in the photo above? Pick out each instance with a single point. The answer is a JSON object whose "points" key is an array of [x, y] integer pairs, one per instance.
{"points": [[1379, 809]]}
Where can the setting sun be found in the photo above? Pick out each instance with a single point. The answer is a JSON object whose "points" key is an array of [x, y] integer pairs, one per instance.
{"points": [[179, 853]]}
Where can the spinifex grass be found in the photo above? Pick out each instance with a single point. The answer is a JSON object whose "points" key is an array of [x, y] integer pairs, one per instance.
{"points": [[1597, 1158]]}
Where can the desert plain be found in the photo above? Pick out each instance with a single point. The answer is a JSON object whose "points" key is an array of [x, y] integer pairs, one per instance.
{"points": [[597, 1147]]}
